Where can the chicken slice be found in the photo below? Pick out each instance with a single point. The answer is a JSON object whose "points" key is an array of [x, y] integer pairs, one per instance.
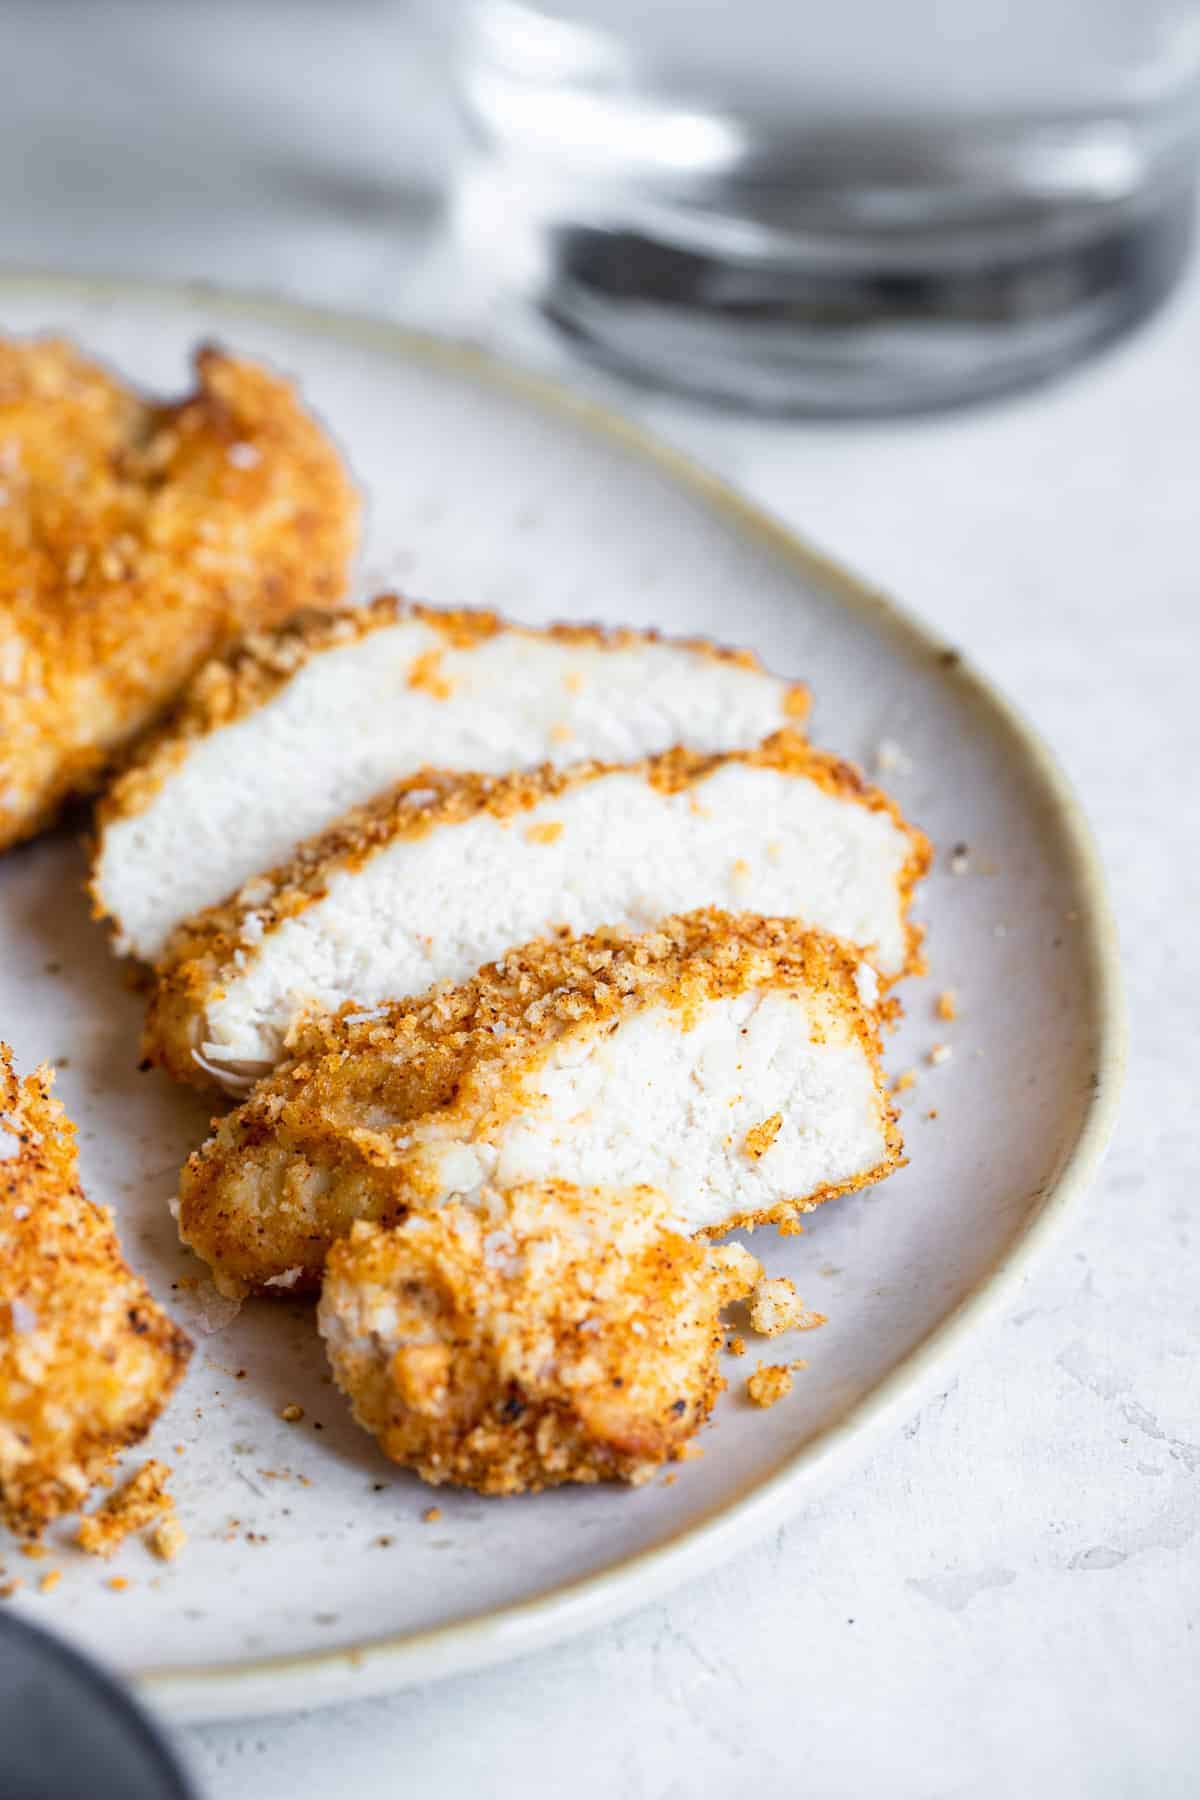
{"points": [[727, 1061], [135, 539], [511, 1341], [444, 873], [87, 1359], [289, 731]]}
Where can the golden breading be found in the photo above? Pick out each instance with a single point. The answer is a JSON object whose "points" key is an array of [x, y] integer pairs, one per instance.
{"points": [[87, 1359], [542, 1335], [353, 1125], [135, 539], [216, 946]]}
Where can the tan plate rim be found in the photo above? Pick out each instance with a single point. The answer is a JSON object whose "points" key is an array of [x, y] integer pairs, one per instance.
{"points": [[286, 1683]]}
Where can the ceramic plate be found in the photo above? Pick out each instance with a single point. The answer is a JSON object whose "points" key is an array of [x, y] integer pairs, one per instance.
{"points": [[310, 1573]]}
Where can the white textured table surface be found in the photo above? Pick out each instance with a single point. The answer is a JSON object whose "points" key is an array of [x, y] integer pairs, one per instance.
{"points": [[1004, 1601]]}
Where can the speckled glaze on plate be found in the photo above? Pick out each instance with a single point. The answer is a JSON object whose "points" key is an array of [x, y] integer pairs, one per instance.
{"points": [[311, 1574]]}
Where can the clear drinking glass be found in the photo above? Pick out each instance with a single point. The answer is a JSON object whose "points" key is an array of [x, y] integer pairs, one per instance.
{"points": [[858, 205]]}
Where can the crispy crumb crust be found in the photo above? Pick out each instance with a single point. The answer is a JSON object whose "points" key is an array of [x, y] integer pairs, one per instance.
{"points": [[206, 951], [325, 1139], [775, 1307], [249, 673], [87, 1359], [545, 1335], [137, 1503], [769, 1384], [137, 538]]}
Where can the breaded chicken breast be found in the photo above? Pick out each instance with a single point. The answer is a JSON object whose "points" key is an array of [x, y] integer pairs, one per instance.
{"points": [[87, 1359], [511, 1341], [280, 737], [727, 1061], [135, 539], [443, 873]]}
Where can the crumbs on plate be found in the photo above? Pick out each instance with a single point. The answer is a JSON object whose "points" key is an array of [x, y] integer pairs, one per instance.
{"points": [[141, 1501], [770, 1383]]}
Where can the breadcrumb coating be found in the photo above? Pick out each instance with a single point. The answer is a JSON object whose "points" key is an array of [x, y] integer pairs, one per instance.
{"points": [[775, 1307], [207, 951], [135, 539], [168, 1539], [542, 1335], [87, 1359], [770, 1383], [326, 1139], [759, 1138]]}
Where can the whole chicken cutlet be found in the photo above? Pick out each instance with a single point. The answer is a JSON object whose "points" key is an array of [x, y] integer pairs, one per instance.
{"points": [[87, 1358], [511, 1341], [728, 1060], [135, 539]]}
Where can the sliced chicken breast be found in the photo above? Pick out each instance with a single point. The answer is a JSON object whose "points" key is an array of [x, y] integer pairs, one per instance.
{"points": [[136, 539], [726, 1060], [280, 738], [87, 1359], [511, 1341], [438, 877]]}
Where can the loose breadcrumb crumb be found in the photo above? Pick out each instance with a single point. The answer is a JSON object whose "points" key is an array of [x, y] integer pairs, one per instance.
{"points": [[769, 1383], [432, 1514], [141, 1500], [168, 1539], [547, 833], [291, 1414], [944, 1005], [737, 1346], [49, 1581], [9, 1588], [425, 674], [118, 1583], [907, 1079], [34, 1552], [940, 1053], [759, 1138], [891, 759], [775, 1306]]}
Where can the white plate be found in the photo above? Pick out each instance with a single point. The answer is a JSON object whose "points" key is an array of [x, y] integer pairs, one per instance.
{"points": [[488, 488]]}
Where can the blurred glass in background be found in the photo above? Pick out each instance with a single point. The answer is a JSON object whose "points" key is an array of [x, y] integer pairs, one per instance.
{"points": [[869, 205]]}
